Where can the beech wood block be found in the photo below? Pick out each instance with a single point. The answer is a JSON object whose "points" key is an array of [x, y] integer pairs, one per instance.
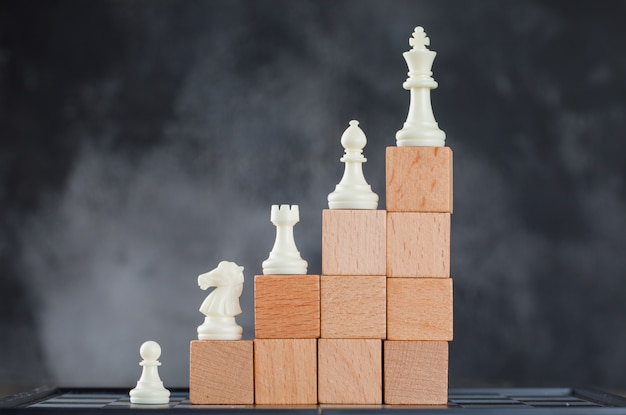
{"points": [[419, 309], [287, 306], [221, 372], [419, 179], [353, 242], [353, 306], [415, 372], [350, 371], [285, 371], [418, 244]]}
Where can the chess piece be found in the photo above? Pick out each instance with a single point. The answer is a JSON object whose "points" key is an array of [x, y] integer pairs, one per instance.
{"points": [[149, 389], [353, 192], [222, 305], [420, 128], [284, 257]]}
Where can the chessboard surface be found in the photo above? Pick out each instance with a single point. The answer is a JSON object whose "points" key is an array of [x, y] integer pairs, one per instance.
{"points": [[462, 400]]}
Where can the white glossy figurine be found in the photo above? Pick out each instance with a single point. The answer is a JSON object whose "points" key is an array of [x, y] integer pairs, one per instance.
{"points": [[222, 305], [353, 192], [284, 257], [420, 128], [149, 389]]}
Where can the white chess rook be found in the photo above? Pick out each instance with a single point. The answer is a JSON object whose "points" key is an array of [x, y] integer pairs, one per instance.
{"points": [[420, 128], [149, 389], [353, 192], [284, 257]]}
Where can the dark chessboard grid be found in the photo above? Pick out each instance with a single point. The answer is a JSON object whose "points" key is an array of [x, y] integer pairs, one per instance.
{"points": [[461, 400]]}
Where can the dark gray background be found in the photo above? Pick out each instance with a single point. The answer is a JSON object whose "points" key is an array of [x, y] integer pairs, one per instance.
{"points": [[144, 141]]}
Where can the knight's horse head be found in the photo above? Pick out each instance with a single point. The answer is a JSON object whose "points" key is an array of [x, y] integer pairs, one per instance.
{"points": [[226, 273]]}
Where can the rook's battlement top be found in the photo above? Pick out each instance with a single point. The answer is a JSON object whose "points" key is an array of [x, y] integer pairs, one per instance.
{"points": [[285, 213]]}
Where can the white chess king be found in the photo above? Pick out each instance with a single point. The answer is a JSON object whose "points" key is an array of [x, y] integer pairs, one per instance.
{"points": [[353, 192], [222, 305], [420, 128], [284, 257]]}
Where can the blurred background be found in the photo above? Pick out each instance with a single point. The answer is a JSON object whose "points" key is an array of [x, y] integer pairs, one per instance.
{"points": [[142, 142]]}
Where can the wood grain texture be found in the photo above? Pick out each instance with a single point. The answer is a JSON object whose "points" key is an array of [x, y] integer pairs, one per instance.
{"points": [[418, 244], [285, 371], [287, 306], [419, 179], [221, 372], [350, 371], [353, 306], [353, 242], [415, 372], [419, 309]]}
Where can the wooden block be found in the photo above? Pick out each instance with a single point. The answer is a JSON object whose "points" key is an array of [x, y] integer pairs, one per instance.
{"points": [[353, 242], [419, 179], [353, 306], [285, 371], [419, 309], [287, 306], [221, 372], [418, 245], [415, 372], [350, 371]]}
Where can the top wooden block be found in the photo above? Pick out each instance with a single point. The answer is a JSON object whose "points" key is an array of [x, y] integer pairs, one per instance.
{"points": [[287, 306], [221, 372], [419, 179]]}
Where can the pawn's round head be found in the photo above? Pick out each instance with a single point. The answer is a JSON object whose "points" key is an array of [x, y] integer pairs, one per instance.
{"points": [[150, 350]]}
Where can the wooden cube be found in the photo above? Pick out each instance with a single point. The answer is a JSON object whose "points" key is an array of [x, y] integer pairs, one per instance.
{"points": [[221, 372], [350, 371], [418, 244], [287, 306], [419, 179], [285, 371], [353, 306], [415, 372], [419, 309], [353, 242]]}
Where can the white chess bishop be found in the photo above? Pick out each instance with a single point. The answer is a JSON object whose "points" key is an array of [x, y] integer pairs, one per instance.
{"points": [[420, 128], [284, 258], [353, 192], [150, 389], [222, 305]]}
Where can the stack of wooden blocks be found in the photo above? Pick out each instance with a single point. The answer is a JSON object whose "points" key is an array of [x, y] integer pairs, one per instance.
{"points": [[419, 287], [373, 328], [386, 292]]}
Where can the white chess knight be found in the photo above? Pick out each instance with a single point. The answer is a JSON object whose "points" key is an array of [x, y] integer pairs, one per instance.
{"points": [[284, 258], [149, 389], [420, 128], [353, 192], [222, 305]]}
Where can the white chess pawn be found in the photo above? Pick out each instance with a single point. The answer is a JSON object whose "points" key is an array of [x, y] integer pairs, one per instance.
{"points": [[222, 305], [149, 389], [353, 192], [284, 257], [420, 128]]}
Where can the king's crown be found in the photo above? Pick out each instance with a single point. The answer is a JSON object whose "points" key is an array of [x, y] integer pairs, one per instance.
{"points": [[419, 39]]}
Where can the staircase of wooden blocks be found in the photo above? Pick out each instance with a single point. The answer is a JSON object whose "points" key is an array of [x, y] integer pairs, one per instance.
{"points": [[373, 328]]}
